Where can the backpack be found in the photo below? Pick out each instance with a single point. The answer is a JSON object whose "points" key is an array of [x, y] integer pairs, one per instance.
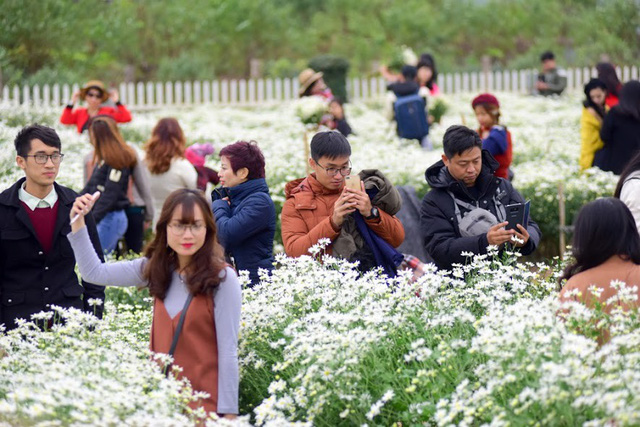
{"points": [[411, 117]]}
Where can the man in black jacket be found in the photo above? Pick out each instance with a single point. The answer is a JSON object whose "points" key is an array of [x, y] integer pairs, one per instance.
{"points": [[465, 209], [37, 266]]}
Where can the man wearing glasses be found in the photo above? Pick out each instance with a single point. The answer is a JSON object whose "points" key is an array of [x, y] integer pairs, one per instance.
{"points": [[317, 206], [37, 266]]}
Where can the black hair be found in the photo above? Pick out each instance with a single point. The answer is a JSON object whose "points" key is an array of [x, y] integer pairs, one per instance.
{"points": [[330, 144], [409, 72], [607, 73], [458, 139], [547, 56], [35, 131], [588, 102], [337, 100], [631, 167], [603, 228], [630, 100], [427, 60]]}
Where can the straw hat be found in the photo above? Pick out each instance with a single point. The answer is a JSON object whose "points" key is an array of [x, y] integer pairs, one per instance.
{"points": [[96, 84], [306, 78]]}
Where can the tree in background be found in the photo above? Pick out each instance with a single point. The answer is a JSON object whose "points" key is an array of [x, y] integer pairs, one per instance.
{"points": [[47, 41]]}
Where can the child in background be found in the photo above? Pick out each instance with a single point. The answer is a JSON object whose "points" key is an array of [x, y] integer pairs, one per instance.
{"points": [[339, 121], [495, 138], [196, 154]]}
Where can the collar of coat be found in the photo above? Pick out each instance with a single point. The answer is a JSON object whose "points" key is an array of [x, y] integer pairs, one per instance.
{"points": [[9, 197]]}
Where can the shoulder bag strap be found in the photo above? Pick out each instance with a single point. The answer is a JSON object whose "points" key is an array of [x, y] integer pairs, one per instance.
{"points": [[176, 335]]}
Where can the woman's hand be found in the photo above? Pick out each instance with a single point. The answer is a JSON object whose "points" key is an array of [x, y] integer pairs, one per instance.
{"points": [[75, 97], [114, 95], [80, 208]]}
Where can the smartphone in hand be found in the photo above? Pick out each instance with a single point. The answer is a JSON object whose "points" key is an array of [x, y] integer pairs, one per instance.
{"points": [[517, 213], [352, 182]]}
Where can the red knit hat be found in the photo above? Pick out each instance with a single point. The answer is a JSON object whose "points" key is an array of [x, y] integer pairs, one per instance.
{"points": [[485, 98]]}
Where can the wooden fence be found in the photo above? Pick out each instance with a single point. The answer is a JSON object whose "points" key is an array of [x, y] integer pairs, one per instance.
{"points": [[259, 91]]}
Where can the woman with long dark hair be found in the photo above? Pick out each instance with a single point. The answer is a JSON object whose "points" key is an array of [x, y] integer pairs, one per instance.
{"points": [[428, 74], [114, 161], [621, 131], [593, 112], [184, 269], [168, 166], [606, 247], [628, 188], [607, 73]]}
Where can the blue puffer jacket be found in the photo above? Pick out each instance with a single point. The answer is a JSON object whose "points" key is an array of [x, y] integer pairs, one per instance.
{"points": [[246, 225]]}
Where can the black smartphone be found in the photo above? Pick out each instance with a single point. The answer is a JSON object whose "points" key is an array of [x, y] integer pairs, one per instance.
{"points": [[517, 213]]}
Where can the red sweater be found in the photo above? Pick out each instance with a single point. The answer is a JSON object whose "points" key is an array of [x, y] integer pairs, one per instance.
{"points": [[44, 223], [80, 115]]}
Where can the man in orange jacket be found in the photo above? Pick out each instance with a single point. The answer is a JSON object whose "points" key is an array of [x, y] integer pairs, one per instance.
{"points": [[317, 206]]}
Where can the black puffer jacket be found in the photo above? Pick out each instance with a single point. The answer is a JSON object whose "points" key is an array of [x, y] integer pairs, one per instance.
{"points": [[438, 222]]}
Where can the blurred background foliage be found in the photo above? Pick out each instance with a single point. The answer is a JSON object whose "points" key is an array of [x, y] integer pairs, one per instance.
{"points": [[68, 41]]}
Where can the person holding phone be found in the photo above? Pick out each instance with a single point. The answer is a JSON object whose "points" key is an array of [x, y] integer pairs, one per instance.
{"points": [[465, 210], [185, 272], [245, 214], [321, 205]]}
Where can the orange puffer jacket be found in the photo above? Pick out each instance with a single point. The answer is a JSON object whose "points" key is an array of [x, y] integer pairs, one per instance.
{"points": [[306, 213]]}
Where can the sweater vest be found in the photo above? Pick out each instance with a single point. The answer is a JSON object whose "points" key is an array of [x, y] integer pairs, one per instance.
{"points": [[44, 223], [197, 349]]}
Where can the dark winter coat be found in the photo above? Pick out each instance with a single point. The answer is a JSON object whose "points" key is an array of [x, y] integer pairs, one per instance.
{"points": [[438, 221], [113, 185], [620, 134], [246, 225], [30, 279]]}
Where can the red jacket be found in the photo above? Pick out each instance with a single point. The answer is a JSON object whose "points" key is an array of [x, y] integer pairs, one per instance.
{"points": [[80, 115]]}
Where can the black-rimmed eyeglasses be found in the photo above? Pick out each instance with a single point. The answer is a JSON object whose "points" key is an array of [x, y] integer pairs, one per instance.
{"points": [[42, 159], [333, 171]]}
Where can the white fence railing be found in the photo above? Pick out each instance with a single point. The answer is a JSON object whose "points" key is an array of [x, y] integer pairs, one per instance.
{"points": [[259, 91]]}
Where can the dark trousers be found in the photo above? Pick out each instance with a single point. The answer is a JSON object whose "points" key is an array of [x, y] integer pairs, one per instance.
{"points": [[134, 236]]}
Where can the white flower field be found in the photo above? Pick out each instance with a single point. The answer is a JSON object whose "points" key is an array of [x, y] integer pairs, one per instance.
{"points": [[320, 344]]}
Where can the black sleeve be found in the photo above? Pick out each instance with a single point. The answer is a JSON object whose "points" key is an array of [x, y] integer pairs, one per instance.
{"points": [[606, 133], [91, 290]]}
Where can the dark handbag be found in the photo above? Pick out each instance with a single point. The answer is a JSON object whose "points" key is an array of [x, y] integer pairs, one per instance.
{"points": [[176, 335]]}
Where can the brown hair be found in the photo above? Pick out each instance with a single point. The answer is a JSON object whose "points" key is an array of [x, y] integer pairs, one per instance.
{"points": [[203, 271], [492, 110], [167, 142], [109, 144]]}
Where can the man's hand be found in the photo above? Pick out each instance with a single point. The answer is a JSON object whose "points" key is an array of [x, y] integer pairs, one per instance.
{"points": [[344, 206], [523, 236], [542, 85], [363, 202], [497, 235]]}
